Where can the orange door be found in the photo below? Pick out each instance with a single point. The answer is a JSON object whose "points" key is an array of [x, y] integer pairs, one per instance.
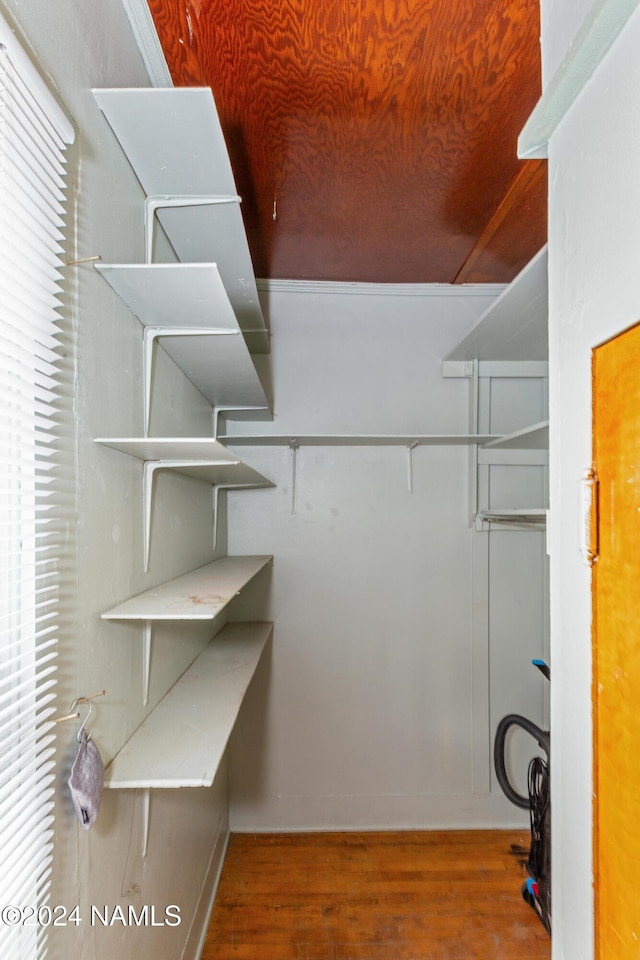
{"points": [[616, 648]]}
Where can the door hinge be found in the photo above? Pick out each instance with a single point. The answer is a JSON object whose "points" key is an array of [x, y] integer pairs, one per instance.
{"points": [[590, 517]]}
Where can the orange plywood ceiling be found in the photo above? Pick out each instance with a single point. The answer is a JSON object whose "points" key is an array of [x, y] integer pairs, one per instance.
{"points": [[372, 140]]}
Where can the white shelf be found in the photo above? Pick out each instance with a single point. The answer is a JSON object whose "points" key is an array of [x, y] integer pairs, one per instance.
{"points": [[601, 26], [199, 595], [199, 457], [182, 741], [535, 437], [170, 448], [516, 324], [355, 440], [183, 298], [173, 140]]}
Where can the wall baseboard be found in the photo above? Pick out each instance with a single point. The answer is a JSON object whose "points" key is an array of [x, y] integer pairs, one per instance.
{"points": [[199, 926], [457, 812]]}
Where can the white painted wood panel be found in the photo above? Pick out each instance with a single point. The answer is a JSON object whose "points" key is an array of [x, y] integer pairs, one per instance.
{"points": [[182, 741], [199, 595]]}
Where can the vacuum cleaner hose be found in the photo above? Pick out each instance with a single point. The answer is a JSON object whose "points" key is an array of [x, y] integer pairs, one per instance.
{"points": [[543, 739]]}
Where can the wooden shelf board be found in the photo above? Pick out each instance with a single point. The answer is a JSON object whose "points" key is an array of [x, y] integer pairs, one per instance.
{"points": [[172, 294], [199, 595], [516, 324], [535, 437], [170, 448], [173, 140], [349, 440], [215, 234], [182, 741], [192, 295], [199, 457]]}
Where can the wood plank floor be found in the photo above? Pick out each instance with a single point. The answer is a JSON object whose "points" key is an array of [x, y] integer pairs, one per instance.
{"points": [[445, 895]]}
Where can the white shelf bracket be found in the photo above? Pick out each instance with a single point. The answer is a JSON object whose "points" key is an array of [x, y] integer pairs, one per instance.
{"points": [[146, 660], [293, 446], [216, 491], [150, 335], [223, 408], [146, 802], [227, 486], [149, 469], [148, 475], [410, 450], [158, 202]]}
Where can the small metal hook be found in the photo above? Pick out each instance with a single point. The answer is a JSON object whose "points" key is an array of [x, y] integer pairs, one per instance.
{"points": [[90, 711]]}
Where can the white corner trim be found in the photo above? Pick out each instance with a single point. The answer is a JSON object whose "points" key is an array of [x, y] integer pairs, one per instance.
{"points": [[146, 37], [318, 287], [603, 24]]}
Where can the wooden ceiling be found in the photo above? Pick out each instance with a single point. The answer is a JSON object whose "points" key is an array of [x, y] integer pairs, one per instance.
{"points": [[373, 140]]}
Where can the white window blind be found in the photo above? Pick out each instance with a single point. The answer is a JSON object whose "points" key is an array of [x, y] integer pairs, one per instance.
{"points": [[33, 135]]}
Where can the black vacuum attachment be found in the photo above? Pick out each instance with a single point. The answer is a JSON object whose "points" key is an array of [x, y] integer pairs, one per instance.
{"points": [[536, 890]]}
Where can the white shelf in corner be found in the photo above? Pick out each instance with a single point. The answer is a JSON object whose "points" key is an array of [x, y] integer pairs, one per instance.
{"points": [[173, 140], [516, 323], [199, 595], [182, 741], [201, 458], [181, 299], [535, 437]]}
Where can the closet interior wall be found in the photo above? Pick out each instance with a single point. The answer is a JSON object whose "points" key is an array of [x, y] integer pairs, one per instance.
{"points": [[378, 704]]}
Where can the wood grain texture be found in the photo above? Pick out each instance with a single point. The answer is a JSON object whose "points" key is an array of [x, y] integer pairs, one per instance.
{"points": [[616, 647], [451, 895], [504, 247], [381, 133]]}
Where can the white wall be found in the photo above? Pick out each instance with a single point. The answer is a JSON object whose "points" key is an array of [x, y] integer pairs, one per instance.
{"points": [[80, 46], [364, 714], [594, 236]]}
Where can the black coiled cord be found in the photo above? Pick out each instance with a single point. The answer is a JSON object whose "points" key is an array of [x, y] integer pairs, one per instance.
{"points": [[538, 809]]}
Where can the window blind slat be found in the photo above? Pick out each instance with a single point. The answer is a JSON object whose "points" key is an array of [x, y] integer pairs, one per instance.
{"points": [[33, 133], [12, 739], [32, 756], [27, 146], [23, 299], [47, 277], [29, 846], [34, 185]]}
